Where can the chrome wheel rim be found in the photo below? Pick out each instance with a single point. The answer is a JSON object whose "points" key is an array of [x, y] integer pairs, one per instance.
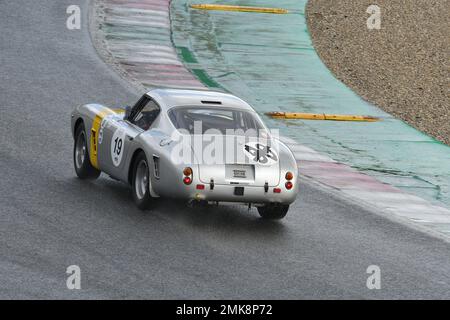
{"points": [[141, 181], [80, 150]]}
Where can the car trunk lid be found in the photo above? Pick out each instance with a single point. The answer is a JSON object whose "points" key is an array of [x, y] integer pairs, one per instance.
{"points": [[238, 160]]}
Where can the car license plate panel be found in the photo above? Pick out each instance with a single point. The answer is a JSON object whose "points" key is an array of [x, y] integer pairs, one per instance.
{"points": [[238, 172]]}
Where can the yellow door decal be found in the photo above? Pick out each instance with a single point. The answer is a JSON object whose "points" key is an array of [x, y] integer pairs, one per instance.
{"points": [[94, 135]]}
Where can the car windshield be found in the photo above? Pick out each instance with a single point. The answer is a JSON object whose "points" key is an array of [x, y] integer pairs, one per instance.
{"points": [[196, 120]]}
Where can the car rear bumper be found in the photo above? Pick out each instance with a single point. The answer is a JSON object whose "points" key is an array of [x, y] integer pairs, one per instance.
{"points": [[251, 194]]}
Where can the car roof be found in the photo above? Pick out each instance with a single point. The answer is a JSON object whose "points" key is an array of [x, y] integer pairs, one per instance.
{"points": [[168, 98]]}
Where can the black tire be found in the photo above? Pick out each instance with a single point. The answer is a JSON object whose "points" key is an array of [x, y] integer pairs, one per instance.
{"points": [[273, 211], [140, 188], [81, 159]]}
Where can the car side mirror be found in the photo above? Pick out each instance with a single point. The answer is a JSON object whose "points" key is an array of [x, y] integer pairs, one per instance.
{"points": [[127, 113]]}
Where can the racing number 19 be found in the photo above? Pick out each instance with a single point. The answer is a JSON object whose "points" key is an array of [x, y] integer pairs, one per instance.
{"points": [[117, 145]]}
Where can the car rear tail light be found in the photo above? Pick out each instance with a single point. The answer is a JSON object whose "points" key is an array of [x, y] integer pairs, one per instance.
{"points": [[289, 185], [276, 190], [200, 187], [187, 179], [289, 176]]}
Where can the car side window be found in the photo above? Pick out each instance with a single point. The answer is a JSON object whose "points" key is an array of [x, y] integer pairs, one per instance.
{"points": [[147, 115]]}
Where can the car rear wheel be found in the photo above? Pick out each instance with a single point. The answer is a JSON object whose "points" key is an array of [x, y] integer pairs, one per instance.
{"points": [[140, 182], [273, 211], [81, 161]]}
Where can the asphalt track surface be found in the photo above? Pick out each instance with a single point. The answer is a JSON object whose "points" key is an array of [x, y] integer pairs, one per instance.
{"points": [[49, 219]]}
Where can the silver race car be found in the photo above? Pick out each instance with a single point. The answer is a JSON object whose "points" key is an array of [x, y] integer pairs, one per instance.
{"points": [[200, 146]]}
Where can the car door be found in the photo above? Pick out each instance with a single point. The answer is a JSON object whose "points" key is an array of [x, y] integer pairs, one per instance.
{"points": [[120, 131], [113, 147], [113, 141]]}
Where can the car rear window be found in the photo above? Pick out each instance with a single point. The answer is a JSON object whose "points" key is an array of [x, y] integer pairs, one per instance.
{"points": [[221, 119]]}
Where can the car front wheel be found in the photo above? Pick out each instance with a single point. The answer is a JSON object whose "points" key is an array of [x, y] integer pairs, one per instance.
{"points": [[81, 161], [273, 211]]}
